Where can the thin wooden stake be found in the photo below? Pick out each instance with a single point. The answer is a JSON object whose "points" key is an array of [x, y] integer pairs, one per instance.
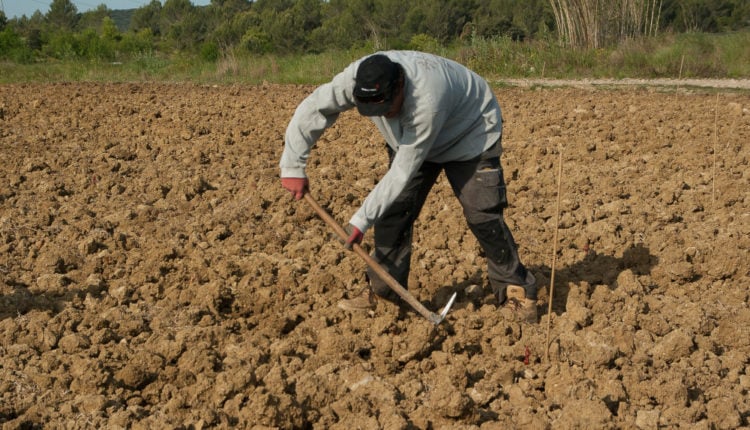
{"points": [[554, 251], [682, 61], [716, 140]]}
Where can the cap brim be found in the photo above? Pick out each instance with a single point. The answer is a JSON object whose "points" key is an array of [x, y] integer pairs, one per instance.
{"points": [[374, 109]]}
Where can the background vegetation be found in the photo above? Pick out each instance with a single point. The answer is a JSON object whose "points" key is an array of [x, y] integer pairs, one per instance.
{"points": [[306, 41]]}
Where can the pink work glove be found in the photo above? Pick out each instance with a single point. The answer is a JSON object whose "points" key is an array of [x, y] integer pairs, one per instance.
{"points": [[355, 236], [296, 186]]}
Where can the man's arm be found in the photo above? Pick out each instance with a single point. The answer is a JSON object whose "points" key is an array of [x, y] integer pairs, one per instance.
{"points": [[414, 147], [315, 114]]}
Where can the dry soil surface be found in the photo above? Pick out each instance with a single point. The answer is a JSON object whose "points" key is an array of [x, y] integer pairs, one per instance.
{"points": [[154, 274]]}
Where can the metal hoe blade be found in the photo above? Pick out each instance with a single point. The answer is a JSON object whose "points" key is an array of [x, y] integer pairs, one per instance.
{"points": [[447, 307]]}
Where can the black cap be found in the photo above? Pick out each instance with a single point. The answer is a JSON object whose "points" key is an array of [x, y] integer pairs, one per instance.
{"points": [[375, 85]]}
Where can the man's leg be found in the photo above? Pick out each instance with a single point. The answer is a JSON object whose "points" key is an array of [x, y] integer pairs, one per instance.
{"points": [[480, 187], [393, 232]]}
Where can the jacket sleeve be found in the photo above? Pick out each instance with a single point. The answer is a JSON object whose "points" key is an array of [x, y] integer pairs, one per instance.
{"points": [[414, 146], [315, 114]]}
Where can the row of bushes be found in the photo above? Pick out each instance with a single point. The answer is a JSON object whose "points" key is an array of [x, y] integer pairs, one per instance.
{"points": [[105, 45], [673, 55]]}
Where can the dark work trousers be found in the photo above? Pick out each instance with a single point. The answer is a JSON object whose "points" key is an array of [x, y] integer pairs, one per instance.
{"points": [[480, 187]]}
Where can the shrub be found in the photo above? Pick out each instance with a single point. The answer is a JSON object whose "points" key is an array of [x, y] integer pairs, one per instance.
{"points": [[141, 42], [93, 47], [61, 45], [424, 42], [256, 41], [12, 47], [209, 51]]}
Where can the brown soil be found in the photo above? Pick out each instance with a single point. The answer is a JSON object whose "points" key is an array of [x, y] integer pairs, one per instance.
{"points": [[153, 273]]}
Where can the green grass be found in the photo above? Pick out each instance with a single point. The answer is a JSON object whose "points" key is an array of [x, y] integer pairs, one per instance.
{"points": [[669, 55]]}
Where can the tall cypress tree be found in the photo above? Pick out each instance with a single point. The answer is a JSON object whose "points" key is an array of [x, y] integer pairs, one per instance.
{"points": [[62, 14]]}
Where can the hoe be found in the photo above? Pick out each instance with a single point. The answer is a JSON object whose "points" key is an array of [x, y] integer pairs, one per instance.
{"points": [[379, 270]]}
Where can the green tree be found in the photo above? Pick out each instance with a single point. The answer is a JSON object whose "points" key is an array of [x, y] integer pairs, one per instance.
{"points": [[518, 20], [37, 19], [256, 40], [306, 16], [182, 23], [34, 39], [93, 19], [287, 29], [147, 17], [140, 42], [228, 20], [273, 5], [444, 20], [33, 29], [109, 30], [339, 28], [414, 23], [175, 11], [228, 7], [90, 45], [708, 16], [230, 31], [381, 24], [62, 14], [12, 47], [3, 20], [61, 44]]}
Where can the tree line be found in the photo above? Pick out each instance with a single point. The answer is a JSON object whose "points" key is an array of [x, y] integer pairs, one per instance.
{"points": [[313, 26]]}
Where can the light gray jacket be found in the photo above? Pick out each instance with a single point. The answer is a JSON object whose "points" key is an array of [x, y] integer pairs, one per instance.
{"points": [[449, 114]]}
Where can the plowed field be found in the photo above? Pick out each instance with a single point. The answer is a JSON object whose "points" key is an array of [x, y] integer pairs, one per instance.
{"points": [[154, 274]]}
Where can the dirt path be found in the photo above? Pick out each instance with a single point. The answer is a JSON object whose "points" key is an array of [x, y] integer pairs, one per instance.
{"points": [[153, 274], [724, 84]]}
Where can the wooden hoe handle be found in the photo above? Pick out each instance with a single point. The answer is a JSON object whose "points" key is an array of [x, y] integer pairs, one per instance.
{"points": [[379, 270]]}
